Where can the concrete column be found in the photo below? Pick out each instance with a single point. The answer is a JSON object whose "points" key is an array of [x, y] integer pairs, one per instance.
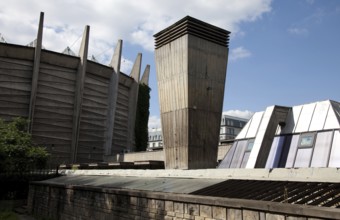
{"points": [[112, 96], [191, 62], [79, 90], [133, 95], [35, 75], [145, 76]]}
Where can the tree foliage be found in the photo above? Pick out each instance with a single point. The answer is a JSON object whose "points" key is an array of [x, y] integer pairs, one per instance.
{"points": [[17, 152], [142, 117]]}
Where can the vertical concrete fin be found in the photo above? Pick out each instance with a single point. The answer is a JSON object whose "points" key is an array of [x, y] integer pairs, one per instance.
{"points": [[35, 75], [112, 96], [145, 76], [133, 98], [117, 56], [80, 79], [135, 72], [83, 50]]}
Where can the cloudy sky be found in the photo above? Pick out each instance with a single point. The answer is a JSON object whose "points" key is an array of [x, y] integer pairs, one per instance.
{"points": [[281, 52]]}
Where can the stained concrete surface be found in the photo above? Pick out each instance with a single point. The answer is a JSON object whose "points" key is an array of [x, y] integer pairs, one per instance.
{"points": [[173, 185]]}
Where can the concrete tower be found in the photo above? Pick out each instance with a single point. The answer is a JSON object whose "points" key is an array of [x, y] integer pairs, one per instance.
{"points": [[191, 62]]}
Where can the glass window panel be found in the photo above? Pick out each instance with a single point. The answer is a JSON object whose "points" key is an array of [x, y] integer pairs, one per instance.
{"points": [[292, 145], [275, 152], [245, 159], [279, 152], [250, 145], [303, 156], [322, 149], [285, 150], [228, 157], [238, 155], [272, 152], [334, 160], [306, 140]]}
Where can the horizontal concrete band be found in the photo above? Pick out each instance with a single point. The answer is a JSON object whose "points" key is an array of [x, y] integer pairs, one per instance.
{"points": [[279, 174], [288, 209]]}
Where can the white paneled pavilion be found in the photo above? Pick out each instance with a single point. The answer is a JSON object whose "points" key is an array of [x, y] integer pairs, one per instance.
{"points": [[301, 136]]}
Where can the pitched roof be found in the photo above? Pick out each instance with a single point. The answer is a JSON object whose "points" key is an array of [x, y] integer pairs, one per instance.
{"points": [[316, 116]]}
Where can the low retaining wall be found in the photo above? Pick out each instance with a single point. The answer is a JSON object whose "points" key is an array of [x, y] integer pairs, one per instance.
{"points": [[156, 155], [54, 201], [279, 174]]}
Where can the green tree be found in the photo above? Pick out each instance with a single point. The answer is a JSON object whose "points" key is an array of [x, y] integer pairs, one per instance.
{"points": [[17, 152], [142, 117]]}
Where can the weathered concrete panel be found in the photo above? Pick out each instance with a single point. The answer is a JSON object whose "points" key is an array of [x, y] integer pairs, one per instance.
{"points": [[191, 71]]}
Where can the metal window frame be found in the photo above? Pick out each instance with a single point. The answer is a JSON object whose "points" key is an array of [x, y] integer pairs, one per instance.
{"points": [[306, 135]]}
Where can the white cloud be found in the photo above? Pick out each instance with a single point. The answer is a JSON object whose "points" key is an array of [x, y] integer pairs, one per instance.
{"points": [[337, 9], [301, 27], [298, 31], [126, 65], [154, 122], [238, 113], [239, 53], [310, 1], [134, 21]]}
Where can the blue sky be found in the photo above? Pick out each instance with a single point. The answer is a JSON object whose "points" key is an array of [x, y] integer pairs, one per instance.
{"points": [[281, 52], [295, 57]]}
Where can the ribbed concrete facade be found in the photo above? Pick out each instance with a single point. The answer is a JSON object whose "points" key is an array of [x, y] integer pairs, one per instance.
{"points": [[78, 109], [191, 61]]}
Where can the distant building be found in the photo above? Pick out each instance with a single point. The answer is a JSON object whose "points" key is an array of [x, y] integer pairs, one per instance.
{"points": [[155, 139], [230, 127], [289, 137]]}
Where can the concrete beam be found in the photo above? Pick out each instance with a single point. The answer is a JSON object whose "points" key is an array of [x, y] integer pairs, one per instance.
{"points": [[135, 74], [79, 90], [265, 136], [112, 96], [330, 175], [145, 76], [35, 75]]}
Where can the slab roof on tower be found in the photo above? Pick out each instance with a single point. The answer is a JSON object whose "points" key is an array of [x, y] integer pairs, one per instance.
{"points": [[193, 26]]}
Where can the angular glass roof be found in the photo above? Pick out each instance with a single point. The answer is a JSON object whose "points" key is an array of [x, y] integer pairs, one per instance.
{"points": [[299, 136], [2, 39], [68, 51], [93, 58], [317, 116], [34, 44]]}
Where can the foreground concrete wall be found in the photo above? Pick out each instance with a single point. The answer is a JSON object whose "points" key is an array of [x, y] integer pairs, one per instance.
{"points": [[277, 174], [80, 202]]}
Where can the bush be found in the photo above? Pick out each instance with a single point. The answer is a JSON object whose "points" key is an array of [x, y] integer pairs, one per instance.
{"points": [[142, 117], [17, 152]]}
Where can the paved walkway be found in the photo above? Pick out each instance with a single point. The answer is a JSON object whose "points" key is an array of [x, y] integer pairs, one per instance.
{"points": [[21, 213], [25, 217]]}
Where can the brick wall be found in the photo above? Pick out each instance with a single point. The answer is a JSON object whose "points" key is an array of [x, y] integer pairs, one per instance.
{"points": [[81, 202]]}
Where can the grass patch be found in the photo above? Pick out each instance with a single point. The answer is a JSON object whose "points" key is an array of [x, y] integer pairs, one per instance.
{"points": [[7, 215]]}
